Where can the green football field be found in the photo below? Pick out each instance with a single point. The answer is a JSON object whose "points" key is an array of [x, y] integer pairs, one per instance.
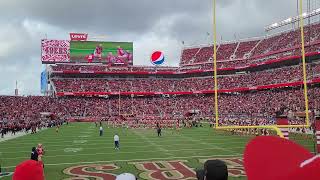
{"points": [[78, 151]]}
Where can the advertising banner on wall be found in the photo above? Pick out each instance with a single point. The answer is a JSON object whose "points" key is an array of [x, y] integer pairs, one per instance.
{"points": [[78, 36], [44, 81], [65, 51]]}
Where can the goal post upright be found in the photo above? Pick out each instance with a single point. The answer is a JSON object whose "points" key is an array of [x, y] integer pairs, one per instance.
{"points": [[216, 110], [303, 57], [274, 127]]}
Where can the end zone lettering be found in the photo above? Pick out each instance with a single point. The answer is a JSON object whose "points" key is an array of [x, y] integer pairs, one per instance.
{"points": [[157, 170]]}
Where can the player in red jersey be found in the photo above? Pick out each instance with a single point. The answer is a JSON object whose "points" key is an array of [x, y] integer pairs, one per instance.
{"points": [[120, 51], [90, 57], [124, 56], [98, 52], [40, 150]]}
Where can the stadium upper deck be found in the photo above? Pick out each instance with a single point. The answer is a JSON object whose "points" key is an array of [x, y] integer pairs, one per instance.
{"points": [[265, 63], [242, 53]]}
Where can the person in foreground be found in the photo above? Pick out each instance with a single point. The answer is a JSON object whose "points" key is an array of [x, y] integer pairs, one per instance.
{"points": [[275, 158], [29, 170], [213, 170], [126, 176], [34, 154]]}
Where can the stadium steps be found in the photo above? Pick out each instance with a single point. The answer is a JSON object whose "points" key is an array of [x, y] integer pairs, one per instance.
{"points": [[250, 52], [235, 50]]}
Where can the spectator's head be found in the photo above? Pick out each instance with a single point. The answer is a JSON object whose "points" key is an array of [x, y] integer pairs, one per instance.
{"points": [[269, 158], [29, 170], [126, 176], [33, 148], [213, 170]]}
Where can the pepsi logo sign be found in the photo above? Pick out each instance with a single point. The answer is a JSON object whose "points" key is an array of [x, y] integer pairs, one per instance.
{"points": [[157, 58]]}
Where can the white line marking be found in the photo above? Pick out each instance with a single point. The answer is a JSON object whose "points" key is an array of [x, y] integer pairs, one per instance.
{"points": [[111, 144], [122, 152], [67, 150], [127, 139], [159, 147], [148, 159], [80, 141]]}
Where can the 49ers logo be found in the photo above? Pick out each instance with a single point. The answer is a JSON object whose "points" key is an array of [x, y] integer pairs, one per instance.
{"points": [[158, 170], [97, 171], [163, 170]]}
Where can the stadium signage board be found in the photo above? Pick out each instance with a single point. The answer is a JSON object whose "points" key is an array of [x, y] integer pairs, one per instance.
{"points": [[157, 58], [78, 36], [101, 52], [77, 51], [55, 51]]}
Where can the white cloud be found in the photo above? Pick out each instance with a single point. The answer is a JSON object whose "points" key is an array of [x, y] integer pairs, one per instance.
{"points": [[150, 42]]}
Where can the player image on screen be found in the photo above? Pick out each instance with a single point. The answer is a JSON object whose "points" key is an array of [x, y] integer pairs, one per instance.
{"points": [[98, 52], [111, 58], [124, 56]]}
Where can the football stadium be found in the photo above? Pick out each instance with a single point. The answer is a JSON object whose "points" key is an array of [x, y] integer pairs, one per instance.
{"points": [[248, 108]]}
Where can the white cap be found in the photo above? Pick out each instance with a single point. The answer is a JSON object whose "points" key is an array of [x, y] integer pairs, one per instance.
{"points": [[126, 176]]}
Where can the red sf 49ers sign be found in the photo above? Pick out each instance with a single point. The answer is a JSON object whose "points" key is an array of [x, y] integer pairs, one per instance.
{"points": [[78, 36], [55, 51]]}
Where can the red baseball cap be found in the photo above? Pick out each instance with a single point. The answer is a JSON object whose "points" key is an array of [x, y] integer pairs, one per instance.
{"points": [[275, 158], [29, 170]]}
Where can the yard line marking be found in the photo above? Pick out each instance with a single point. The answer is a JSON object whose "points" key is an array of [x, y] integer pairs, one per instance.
{"points": [[84, 136], [121, 152], [67, 150], [110, 144], [159, 147], [208, 144], [147, 159], [204, 135], [97, 140], [79, 141], [125, 142]]}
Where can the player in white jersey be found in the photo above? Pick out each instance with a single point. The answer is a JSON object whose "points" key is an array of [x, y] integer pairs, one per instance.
{"points": [[116, 141]]}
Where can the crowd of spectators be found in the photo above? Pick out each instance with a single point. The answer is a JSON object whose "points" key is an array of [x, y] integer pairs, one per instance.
{"points": [[254, 108], [249, 79], [272, 46], [235, 54], [19, 113]]}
